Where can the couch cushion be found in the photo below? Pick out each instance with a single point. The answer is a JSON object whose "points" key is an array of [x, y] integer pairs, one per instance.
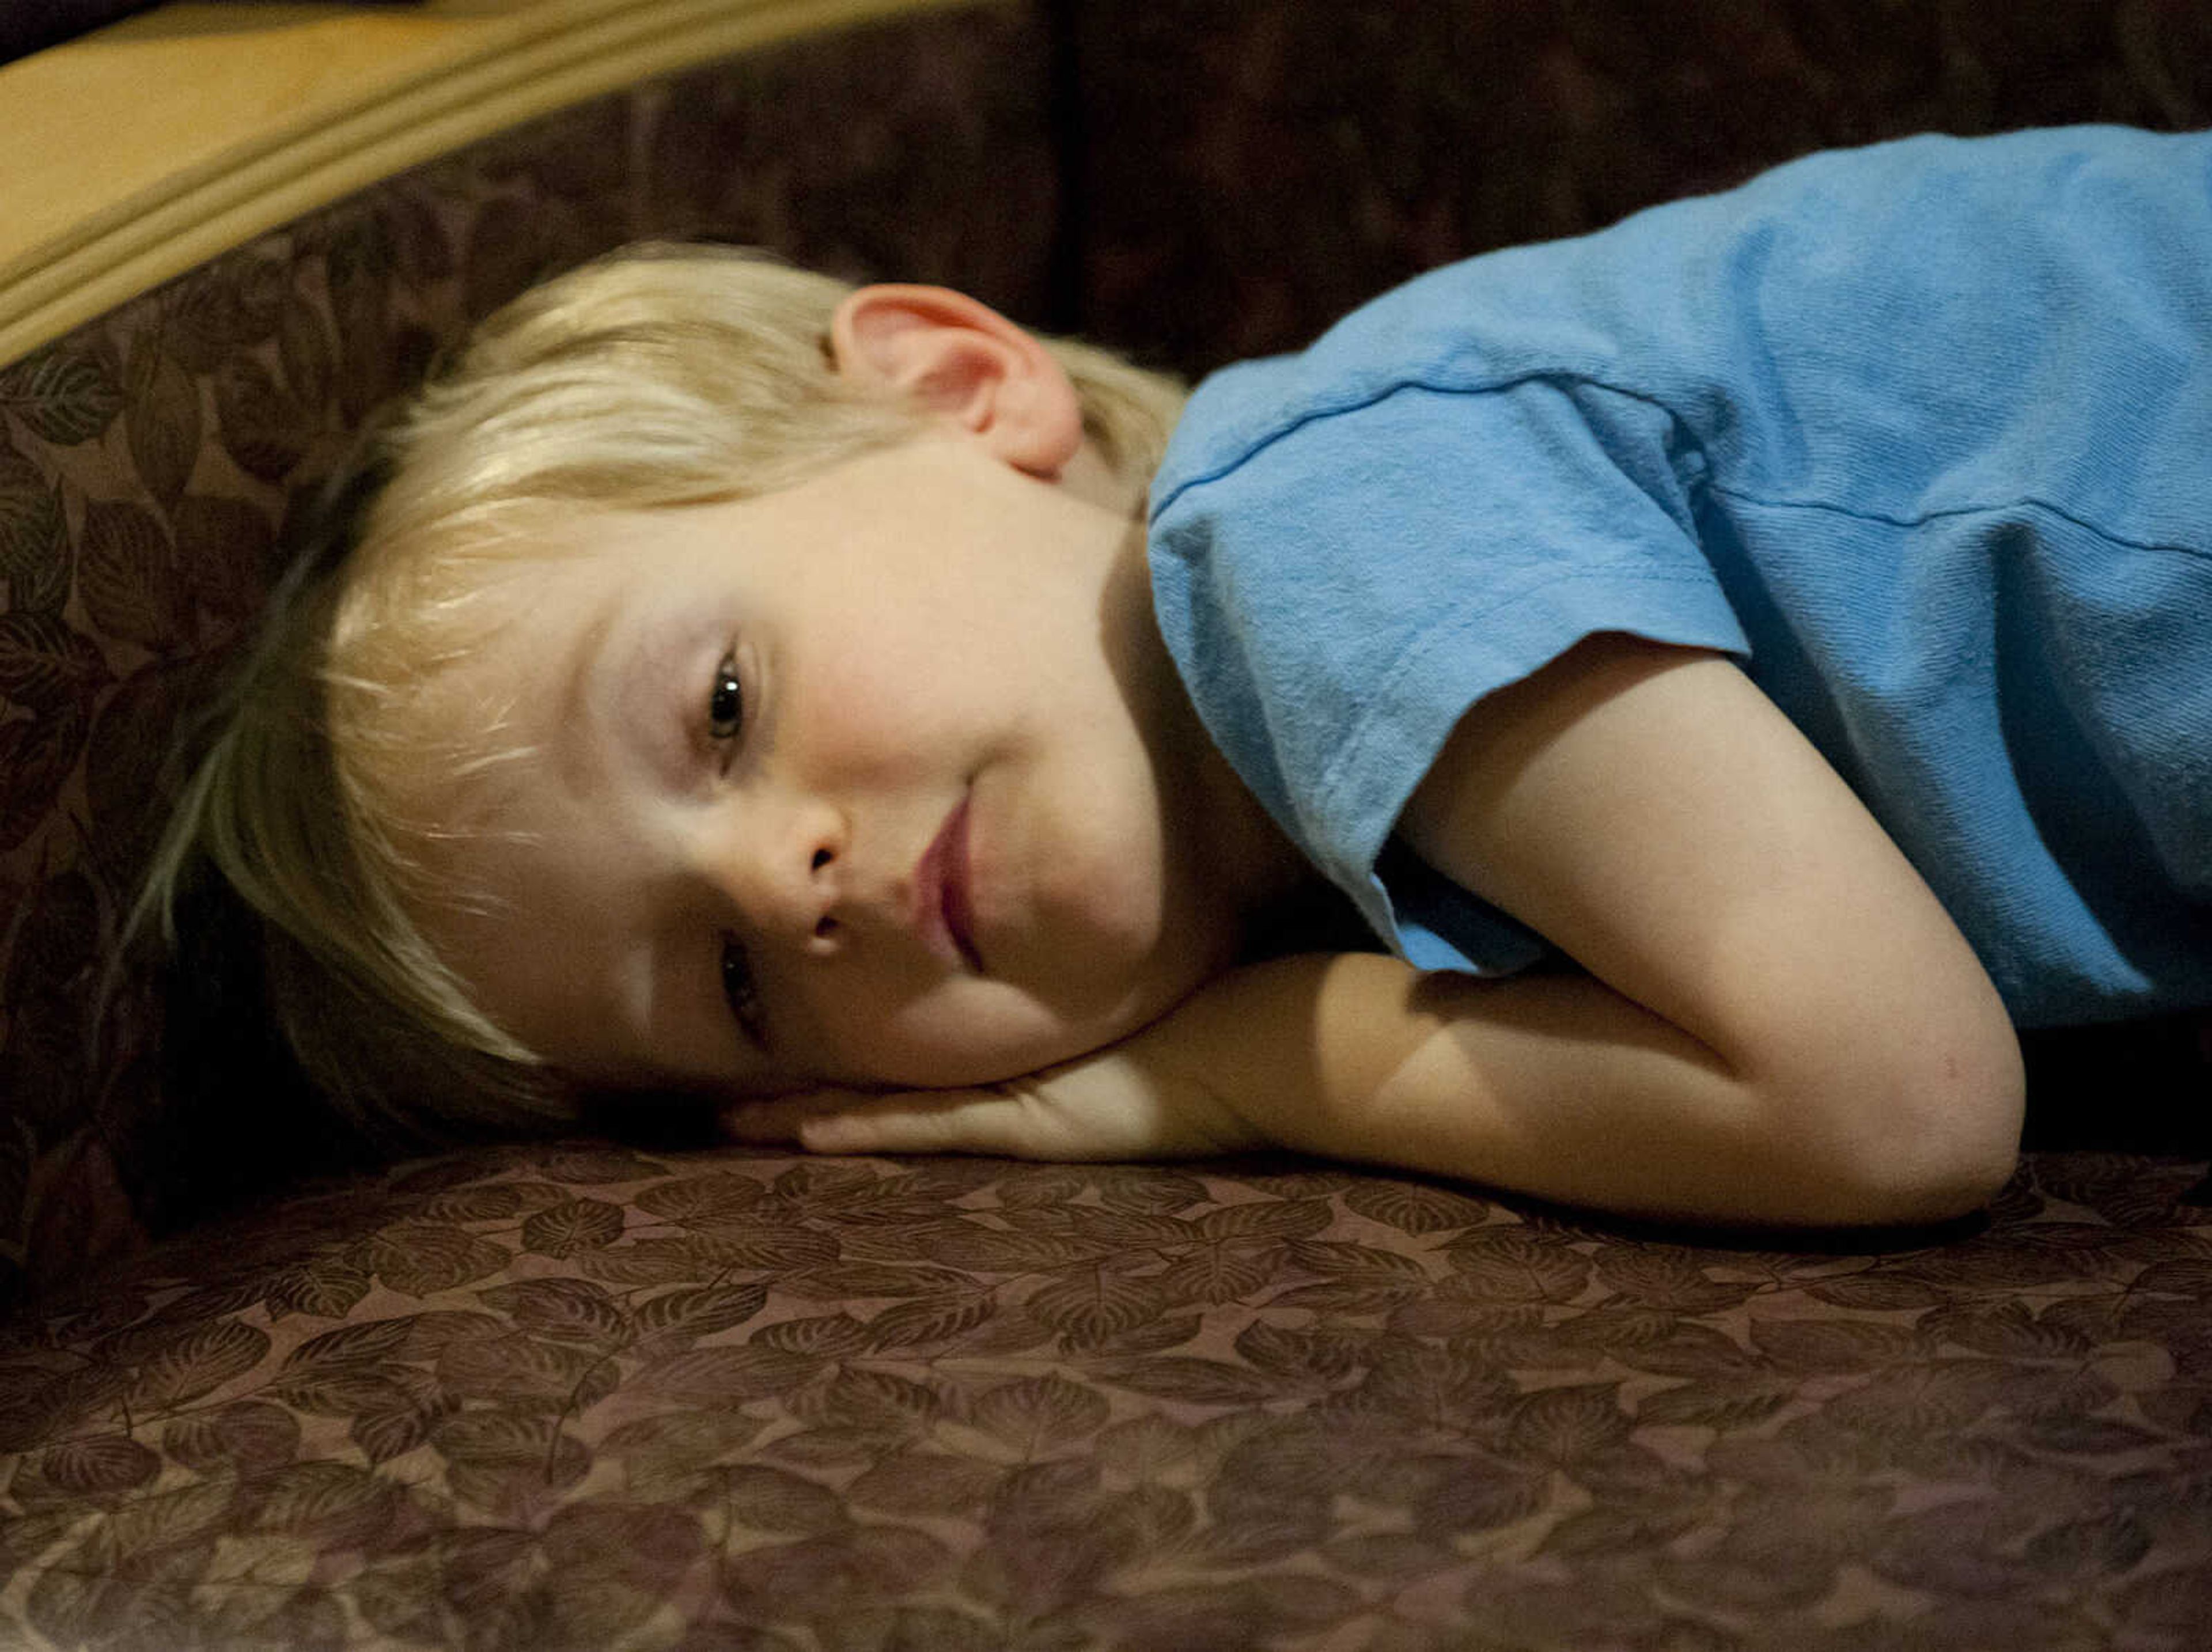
{"points": [[590, 1396]]}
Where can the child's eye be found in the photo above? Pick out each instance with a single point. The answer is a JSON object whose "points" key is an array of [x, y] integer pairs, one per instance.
{"points": [[739, 993], [725, 703]]}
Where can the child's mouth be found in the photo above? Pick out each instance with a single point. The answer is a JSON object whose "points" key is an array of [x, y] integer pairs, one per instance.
{"points": [[943, 913]]}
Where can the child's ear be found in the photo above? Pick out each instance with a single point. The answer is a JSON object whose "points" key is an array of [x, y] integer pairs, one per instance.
{"points": [[967, 363]]}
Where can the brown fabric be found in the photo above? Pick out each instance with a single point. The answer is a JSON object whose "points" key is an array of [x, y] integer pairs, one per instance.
{"points": [[590, 1398], [148, 461], [594, 1397], [1236, 175], [1256, 170]]}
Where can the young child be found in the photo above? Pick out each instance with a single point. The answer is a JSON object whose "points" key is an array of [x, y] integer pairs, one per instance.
{"points": [[1789, 606]]}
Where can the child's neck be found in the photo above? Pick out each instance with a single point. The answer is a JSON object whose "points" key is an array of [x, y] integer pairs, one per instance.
{"points": [[1233, 841]]}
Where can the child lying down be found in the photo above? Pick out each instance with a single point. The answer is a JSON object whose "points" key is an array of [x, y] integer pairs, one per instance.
{"points": [[1739, 665]]}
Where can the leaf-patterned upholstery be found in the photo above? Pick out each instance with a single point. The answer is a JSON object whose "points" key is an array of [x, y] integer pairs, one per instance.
{"points": [[589, 1397], [596, 1395]]}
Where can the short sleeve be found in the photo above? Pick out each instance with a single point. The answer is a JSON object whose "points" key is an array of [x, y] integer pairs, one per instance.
{"points": [[1820, 422], [1340, 596]]}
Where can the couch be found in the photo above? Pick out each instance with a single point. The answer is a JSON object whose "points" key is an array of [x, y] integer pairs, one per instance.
{"points": [[261, 1386]]}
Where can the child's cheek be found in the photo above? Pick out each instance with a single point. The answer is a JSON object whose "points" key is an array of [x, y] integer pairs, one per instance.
{"points": [[859, 719]]}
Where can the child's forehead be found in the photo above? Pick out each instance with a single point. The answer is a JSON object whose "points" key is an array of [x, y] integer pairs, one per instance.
{"points": [[431, 666], [584, 630], [890, 539]]}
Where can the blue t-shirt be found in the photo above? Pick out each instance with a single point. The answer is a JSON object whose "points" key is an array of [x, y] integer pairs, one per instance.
{"points": [[1921, 433]]}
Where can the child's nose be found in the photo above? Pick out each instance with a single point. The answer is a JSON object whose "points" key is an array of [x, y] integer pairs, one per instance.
{"points": [[781, 867]]}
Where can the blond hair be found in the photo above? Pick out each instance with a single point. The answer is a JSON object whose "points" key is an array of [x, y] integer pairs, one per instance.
{"points": [[659, 377]]}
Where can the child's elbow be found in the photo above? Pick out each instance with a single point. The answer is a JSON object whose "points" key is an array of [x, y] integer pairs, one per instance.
{"points": [[1947, 1169], [1932, 1134]]}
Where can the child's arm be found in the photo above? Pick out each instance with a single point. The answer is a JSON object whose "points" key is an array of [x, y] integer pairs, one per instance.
{"points": [[1780, 1023]]}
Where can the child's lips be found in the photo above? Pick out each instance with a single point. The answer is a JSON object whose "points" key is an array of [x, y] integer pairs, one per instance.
{"points": [[943, 912]]}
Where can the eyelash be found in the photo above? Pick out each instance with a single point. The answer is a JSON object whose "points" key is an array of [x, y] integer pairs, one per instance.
{"points": [[725, 722]]}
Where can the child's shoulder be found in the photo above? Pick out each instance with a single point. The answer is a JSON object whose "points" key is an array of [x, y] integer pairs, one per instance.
{"points": [[1651, 303]]}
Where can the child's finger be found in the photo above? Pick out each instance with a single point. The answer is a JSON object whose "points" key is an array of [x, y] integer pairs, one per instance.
{"points": [[911, 1121], [923, 1121]]}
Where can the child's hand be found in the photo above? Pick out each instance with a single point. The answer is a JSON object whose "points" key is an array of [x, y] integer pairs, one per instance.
{"points": [[1122, 1103]]}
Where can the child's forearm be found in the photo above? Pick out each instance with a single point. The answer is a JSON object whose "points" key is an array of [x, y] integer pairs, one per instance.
{"points": [[1558, 1086], [1553, 1084]]}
